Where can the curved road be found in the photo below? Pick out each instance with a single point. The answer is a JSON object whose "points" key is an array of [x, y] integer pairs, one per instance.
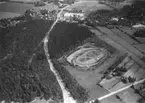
{"points": [[66, 94]]}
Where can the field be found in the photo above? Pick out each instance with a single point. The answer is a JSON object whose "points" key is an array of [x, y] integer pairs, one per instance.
{"points": [[48, 6], [88, 6], [8, 10], [8, 15], [88, 79], [15, 7]]}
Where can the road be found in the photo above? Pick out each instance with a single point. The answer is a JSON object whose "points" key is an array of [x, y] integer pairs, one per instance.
{"points": [[118, 91], [66, 94]]}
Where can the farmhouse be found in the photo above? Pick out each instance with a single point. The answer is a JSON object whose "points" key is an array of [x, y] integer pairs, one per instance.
{"points": [[72, 15]]}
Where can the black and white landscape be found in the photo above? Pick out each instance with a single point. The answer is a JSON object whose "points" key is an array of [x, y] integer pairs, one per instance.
{"points": [[72, 51]]}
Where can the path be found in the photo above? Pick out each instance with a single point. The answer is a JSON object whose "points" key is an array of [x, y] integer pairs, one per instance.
{"points": [[118, 91], [66, 94]]}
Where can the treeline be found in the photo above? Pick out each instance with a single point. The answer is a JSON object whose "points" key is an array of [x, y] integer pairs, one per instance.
{"points": [[4, 0], [71, 84], [22, 75], [65, 37], [17, 82], [2, 46], [111, 2], [7, 22], [56, 1], [50, 86], [24, 36], [128, 15], [39, 4], [134, 12], [69, 1], [140, 33], [20, 82]]}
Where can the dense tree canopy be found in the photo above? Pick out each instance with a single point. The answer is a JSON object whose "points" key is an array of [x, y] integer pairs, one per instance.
{"points": [[128, 15], [64, 36], [23, 75]]}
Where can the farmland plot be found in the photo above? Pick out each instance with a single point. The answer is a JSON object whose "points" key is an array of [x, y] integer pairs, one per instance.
{"points": [[87, 6], [8, 15], [88, 78], [15, 7]]}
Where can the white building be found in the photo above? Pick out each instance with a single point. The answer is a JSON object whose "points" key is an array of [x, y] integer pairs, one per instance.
{"points": [[68, 15]]}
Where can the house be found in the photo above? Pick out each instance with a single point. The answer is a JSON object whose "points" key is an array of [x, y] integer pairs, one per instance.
{"points": [[69, 15]]}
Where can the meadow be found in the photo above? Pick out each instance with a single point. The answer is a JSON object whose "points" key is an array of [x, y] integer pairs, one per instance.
{"points": [[8, 15], [9, 10], [15, 7]]}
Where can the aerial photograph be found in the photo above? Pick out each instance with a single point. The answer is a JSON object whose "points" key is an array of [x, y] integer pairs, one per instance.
{"points": [[72, 51]]}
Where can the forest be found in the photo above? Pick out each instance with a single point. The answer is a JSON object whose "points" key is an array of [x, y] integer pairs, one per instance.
{"points": [[128, 15], [71, 84], [65, 37], [24, 71], [140, 33]]}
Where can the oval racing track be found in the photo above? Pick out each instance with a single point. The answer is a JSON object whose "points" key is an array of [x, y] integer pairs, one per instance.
{"points": [[87, 57], [67, 98]]}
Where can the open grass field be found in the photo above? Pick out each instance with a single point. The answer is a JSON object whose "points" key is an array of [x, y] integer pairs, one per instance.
{"points": [[87, 6], [89, 79], [8, 15], [15, 7], [10, 10], [48, 6]]}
